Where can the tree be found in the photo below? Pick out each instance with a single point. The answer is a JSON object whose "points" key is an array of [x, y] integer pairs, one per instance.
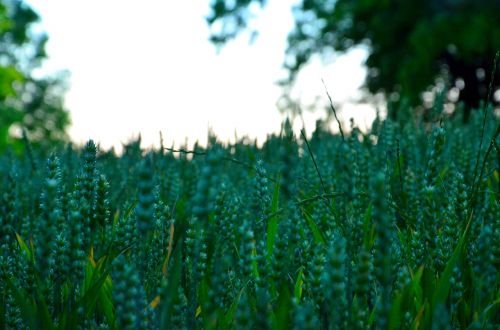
{"points": [[27, 101], [412, 43]]}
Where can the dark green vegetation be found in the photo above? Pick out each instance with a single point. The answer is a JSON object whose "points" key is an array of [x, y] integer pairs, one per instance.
{"points": [[395, 228], [412, 44], [27, 100]]}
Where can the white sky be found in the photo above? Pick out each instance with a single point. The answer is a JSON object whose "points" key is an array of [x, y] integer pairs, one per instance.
{"points": [[147, 66]]}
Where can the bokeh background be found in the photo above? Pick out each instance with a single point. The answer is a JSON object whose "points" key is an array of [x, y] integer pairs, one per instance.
{"points": [[111, 70]]}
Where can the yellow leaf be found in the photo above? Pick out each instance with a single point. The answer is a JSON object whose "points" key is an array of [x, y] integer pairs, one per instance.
{"points": [[155, 302], [91, 256], [198, 311], [170, 246]]}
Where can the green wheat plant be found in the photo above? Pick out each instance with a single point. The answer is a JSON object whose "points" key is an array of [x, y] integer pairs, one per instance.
{"points": [[395, 227]]}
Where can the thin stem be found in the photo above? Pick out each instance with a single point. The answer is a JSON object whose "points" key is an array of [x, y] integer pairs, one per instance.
{"points": [[314, 160], [334, 111], [485, 107], [475, 187], [203, 153]]}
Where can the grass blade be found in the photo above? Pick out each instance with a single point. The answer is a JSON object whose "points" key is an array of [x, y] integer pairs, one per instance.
{"points": [[272, 225]]}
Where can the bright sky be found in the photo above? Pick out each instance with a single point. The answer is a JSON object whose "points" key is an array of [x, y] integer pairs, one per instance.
{"points": [[147, 66]]}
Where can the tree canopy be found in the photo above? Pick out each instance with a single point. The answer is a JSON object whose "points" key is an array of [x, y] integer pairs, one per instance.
{"points": [[412, 44], [28, 101]]}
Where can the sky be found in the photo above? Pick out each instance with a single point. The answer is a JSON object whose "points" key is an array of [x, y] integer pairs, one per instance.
{"points": [[147, 67]]}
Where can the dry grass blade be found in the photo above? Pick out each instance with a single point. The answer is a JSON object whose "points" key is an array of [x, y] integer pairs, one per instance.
{"points": [[334, 111]]}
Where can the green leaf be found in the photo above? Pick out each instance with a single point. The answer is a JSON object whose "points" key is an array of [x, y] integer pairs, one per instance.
{"points": [[34, 310], [24, 247], [371, 318], [404, 301], [105, 301], [43, 311], [317, 234], [272, 224], [395, 314], [97, 285], [228, 318], [444, 284], [489, 311], [9, 75], [255, 264], [282, 311], [417, 288], [24, 302], [298, 284]]}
